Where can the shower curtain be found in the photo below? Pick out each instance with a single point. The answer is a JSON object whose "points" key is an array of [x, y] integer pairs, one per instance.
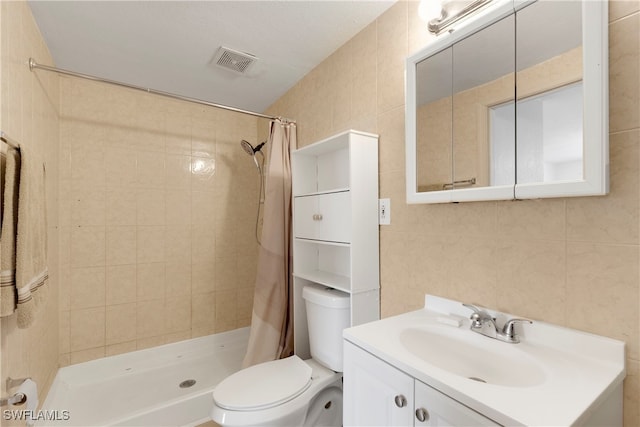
{"points": [[271, 334]]}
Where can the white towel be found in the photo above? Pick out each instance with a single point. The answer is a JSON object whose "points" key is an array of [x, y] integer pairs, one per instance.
{"points": [[23, 236], [8, 231], [31, 245]]}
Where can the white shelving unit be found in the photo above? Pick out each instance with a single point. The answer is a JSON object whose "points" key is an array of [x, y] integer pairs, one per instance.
{"points": [[335, 225]]}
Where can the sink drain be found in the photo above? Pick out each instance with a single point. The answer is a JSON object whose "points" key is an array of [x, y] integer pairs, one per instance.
{"points": [[480, 380], [187, 383]]}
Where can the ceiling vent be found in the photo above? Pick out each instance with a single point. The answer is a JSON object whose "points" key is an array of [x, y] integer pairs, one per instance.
{"points": [[239, 62]]}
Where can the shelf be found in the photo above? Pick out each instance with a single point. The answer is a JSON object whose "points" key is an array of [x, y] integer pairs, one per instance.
{"points": [[336, 281], [323, 242], [319, 193]]}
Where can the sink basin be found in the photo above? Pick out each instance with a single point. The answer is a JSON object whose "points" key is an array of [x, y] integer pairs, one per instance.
{"points": [[470, 355], [555, 376]]}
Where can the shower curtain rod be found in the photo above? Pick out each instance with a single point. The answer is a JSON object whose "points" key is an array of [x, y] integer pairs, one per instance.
{"points": [[34, 65]]}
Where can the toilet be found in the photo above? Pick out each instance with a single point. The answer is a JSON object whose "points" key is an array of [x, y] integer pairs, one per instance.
{"points": [[292, 391]]}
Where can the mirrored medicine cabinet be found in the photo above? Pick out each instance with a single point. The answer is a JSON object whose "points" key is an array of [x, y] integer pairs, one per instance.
{"points": [[511, 104]]}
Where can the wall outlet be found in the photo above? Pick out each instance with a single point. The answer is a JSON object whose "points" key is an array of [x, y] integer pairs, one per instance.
{"points": [[384, 211]]}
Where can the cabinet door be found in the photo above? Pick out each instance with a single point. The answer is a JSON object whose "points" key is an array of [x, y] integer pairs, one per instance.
{"points": [[375, 393], [438, 409], [324, 217]]}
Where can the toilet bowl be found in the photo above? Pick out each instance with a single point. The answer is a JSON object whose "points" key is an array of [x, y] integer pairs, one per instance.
{"points": [[292, 391], [286, 392]]}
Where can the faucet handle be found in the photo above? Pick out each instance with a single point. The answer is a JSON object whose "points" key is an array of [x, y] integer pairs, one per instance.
{"points": [[509, 331], [477, 316], [472, 307]]}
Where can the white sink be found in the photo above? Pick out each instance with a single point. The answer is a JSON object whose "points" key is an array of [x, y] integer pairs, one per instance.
{"points": [[553, 376], [473, 356]]}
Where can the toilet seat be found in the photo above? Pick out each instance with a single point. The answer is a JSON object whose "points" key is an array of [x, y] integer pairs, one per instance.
{"points": [[264, 385]]}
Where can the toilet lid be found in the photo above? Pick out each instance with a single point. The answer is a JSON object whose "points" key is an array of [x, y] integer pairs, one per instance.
{"points": [[264, 385]]}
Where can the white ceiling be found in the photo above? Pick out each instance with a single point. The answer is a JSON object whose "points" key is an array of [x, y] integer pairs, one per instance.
{"points": [[169, 45]]}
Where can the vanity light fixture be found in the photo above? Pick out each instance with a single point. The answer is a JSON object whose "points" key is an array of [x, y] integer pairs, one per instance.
{"points": [[441, 14]]}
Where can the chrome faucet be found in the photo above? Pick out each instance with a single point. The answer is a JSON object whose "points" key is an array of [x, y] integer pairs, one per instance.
{"points": [[484, 324]]}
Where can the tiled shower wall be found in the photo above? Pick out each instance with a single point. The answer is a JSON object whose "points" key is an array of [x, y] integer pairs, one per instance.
{"points": [[29, 114], [157, 211], [573, 262]]}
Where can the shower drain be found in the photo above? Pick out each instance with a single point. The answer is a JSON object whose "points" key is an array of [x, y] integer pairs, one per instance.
{"points": [[187, 383]]}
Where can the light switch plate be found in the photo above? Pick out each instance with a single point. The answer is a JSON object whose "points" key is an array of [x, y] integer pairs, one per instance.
{"points": [[384, 211]]}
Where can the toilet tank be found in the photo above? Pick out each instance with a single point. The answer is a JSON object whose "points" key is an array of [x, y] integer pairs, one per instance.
{"points": [[328, 313]]}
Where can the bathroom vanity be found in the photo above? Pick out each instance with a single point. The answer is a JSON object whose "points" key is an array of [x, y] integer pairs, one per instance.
{"points": [[428, 367]]}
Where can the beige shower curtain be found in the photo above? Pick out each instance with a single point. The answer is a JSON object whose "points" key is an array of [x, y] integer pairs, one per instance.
{"points": [[271, 334]]}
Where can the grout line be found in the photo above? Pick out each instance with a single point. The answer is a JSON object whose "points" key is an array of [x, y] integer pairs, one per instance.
{"points": [[635, 12]]}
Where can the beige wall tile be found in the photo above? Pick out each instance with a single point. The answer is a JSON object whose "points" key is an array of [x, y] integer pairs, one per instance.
{"points": [[178, 171], [203, 309], [120, 167], [178, 207], [121, 284], [150, 283], [120, 348], [88, 207], [178, 244], [621, 8], [151, 244], [88, 246], [121, 245], [363, 74], [87, 287], [86, 355], [203, 279], [121, 207], [476, 282], [533, 219], [151, 172], [611, 219], [531, 279], [178, 312], [151, 206], [149, 342], [203, 173], [203, 244], [203, 208], [29, 113], [226, 313], [603, 283], [64, 326], [88, 167], [392, 48], [87, 328], [632, 393], [120, 323], [226, 277], [391, 146], [178, 279], [624, 73], [150, 319]]}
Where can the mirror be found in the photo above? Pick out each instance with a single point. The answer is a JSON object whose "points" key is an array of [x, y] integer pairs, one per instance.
{"points": [[512, 104]]}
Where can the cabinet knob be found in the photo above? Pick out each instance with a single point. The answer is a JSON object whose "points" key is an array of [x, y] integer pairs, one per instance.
{"points": [[401, 401], [422, 415], [317, 217]]}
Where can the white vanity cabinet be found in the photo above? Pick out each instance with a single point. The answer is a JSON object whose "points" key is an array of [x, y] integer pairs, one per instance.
{"points": [[377, 394], [335, 225]]}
